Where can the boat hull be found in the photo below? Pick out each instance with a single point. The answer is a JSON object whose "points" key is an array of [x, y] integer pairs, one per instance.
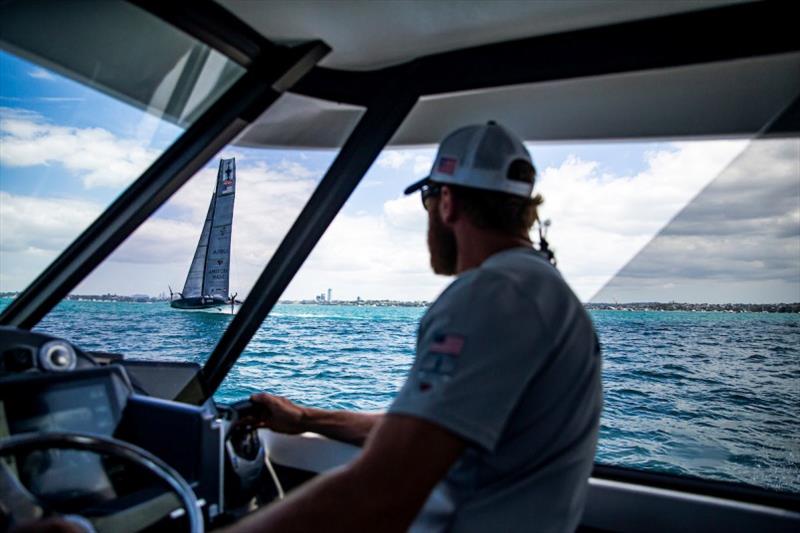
{"points": [[208, 305]]}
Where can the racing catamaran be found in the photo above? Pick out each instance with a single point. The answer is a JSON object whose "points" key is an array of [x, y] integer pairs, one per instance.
{"points": [[206, 286]]}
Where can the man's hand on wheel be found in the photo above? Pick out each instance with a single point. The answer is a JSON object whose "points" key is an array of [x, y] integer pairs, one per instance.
{"points": [[283, 416], [278, 414]]}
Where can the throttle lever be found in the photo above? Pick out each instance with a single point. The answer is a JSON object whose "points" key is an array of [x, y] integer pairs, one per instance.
{"points": [[244, 409]]}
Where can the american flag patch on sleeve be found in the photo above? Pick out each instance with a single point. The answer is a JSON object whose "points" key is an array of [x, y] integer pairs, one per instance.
{"points": [[447, 344]]}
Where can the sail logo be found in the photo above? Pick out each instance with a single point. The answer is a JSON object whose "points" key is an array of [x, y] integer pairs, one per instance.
{"points": [[227, 180]]}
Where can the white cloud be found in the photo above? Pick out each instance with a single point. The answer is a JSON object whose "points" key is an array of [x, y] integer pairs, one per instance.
{"points": [[269, 198], [394, 158], [34, 230], [372, 256], [98, 157], [367, 255], [600, 220], [41, 74], [422, 164], [61, 99], [42, 224], [418, 161], [738, 241], [405, 213]]}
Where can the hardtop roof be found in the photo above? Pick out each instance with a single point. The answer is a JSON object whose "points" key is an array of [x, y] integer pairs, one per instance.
{"points": [[560, 71]]}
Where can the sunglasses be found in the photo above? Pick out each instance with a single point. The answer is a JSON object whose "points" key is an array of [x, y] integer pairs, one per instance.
{"points": [[427, 192]]}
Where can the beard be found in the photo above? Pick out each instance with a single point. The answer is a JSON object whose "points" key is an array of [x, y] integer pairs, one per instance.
{"points": [[441, 245]]}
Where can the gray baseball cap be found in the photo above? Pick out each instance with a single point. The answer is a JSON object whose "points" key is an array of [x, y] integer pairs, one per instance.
{"points": [[483, 156]]}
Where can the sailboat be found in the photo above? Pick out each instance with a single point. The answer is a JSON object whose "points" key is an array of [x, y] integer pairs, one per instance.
{"points": [[206, 287]]}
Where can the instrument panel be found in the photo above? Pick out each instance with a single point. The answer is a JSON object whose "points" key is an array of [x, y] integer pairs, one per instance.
{"points": [[48, 385], [84, 401], [72, 392]]}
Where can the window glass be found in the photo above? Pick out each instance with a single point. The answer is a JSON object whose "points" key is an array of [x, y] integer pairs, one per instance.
{"points": [[206, 245], [687, 254], [694, 385], [701, 332], [343, 334], [84, 109]]}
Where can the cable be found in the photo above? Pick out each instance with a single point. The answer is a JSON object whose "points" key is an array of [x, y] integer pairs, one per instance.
{"points": [[273, 475]]}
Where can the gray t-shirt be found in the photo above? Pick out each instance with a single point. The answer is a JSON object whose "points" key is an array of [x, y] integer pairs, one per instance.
{"points": [[507, 359]]}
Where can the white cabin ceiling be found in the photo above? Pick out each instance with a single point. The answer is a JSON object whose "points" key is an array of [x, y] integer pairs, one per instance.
{"points": [[367, 34]]}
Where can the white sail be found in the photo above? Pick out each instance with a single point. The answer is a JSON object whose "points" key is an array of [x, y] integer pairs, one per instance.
{"points": [[218, 255], [208, 275], [194, 279]]}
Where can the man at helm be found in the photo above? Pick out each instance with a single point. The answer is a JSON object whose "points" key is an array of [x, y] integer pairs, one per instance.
{"points": [[496, 426]]}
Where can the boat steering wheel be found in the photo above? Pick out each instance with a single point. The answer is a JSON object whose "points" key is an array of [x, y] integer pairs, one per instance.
{"points": [[21, 505]]}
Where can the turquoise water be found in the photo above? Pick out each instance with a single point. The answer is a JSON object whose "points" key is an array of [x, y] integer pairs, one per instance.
{"points": [[714, 395]]}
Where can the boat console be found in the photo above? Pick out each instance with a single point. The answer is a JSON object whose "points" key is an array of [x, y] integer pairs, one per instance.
{"points": [[76, 430]]}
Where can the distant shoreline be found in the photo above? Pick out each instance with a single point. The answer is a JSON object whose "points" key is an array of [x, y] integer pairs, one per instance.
{"points": [[633, 306], [699, 308]]}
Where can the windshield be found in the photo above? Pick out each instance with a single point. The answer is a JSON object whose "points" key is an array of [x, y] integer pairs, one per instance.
{"points": [[170, 290], [701, 331], [77, 129], [687, 255]]}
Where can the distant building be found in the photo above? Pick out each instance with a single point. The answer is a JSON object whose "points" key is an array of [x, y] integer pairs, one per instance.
{"points": [[329, 296]]}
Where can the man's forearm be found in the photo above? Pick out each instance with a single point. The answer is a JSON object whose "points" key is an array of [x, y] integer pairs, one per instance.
{"points": [[383, 489], [345, 426], [337, 501]]}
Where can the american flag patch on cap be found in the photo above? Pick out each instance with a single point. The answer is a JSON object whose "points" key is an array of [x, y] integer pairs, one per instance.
{"points": [[447, 165], [447, 344]]}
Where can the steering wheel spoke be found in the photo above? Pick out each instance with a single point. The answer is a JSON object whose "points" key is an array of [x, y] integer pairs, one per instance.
{"points": [[15, 500], [131, 519]]}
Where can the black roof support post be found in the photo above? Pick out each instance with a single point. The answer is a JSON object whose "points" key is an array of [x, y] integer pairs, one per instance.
{"points": [[212, 24], [254, 92], [373, 131]]}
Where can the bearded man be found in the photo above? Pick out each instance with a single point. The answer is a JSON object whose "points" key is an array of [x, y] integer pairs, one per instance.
{"points": [[501, 408]]}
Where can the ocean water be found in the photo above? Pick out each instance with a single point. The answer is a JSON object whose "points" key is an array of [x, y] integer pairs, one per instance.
{"points": [[714, 395]]}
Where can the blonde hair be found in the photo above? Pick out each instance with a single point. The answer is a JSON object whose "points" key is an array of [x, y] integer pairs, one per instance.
{"points": [[506, 213]]}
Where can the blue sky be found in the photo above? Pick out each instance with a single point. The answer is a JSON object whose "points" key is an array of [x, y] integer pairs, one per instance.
{"points": [[67, 151], [30, 88]]}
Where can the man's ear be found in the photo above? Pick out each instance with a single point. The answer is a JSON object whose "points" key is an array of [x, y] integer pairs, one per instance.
{"points": [[448, 206]]}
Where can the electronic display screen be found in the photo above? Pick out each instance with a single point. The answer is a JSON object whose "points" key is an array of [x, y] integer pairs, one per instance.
{"points": [[83, 408], [60, 404]]}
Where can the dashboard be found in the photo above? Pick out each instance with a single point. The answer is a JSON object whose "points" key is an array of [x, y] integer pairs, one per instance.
{"points": [[48, 385], [86, 401]]}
